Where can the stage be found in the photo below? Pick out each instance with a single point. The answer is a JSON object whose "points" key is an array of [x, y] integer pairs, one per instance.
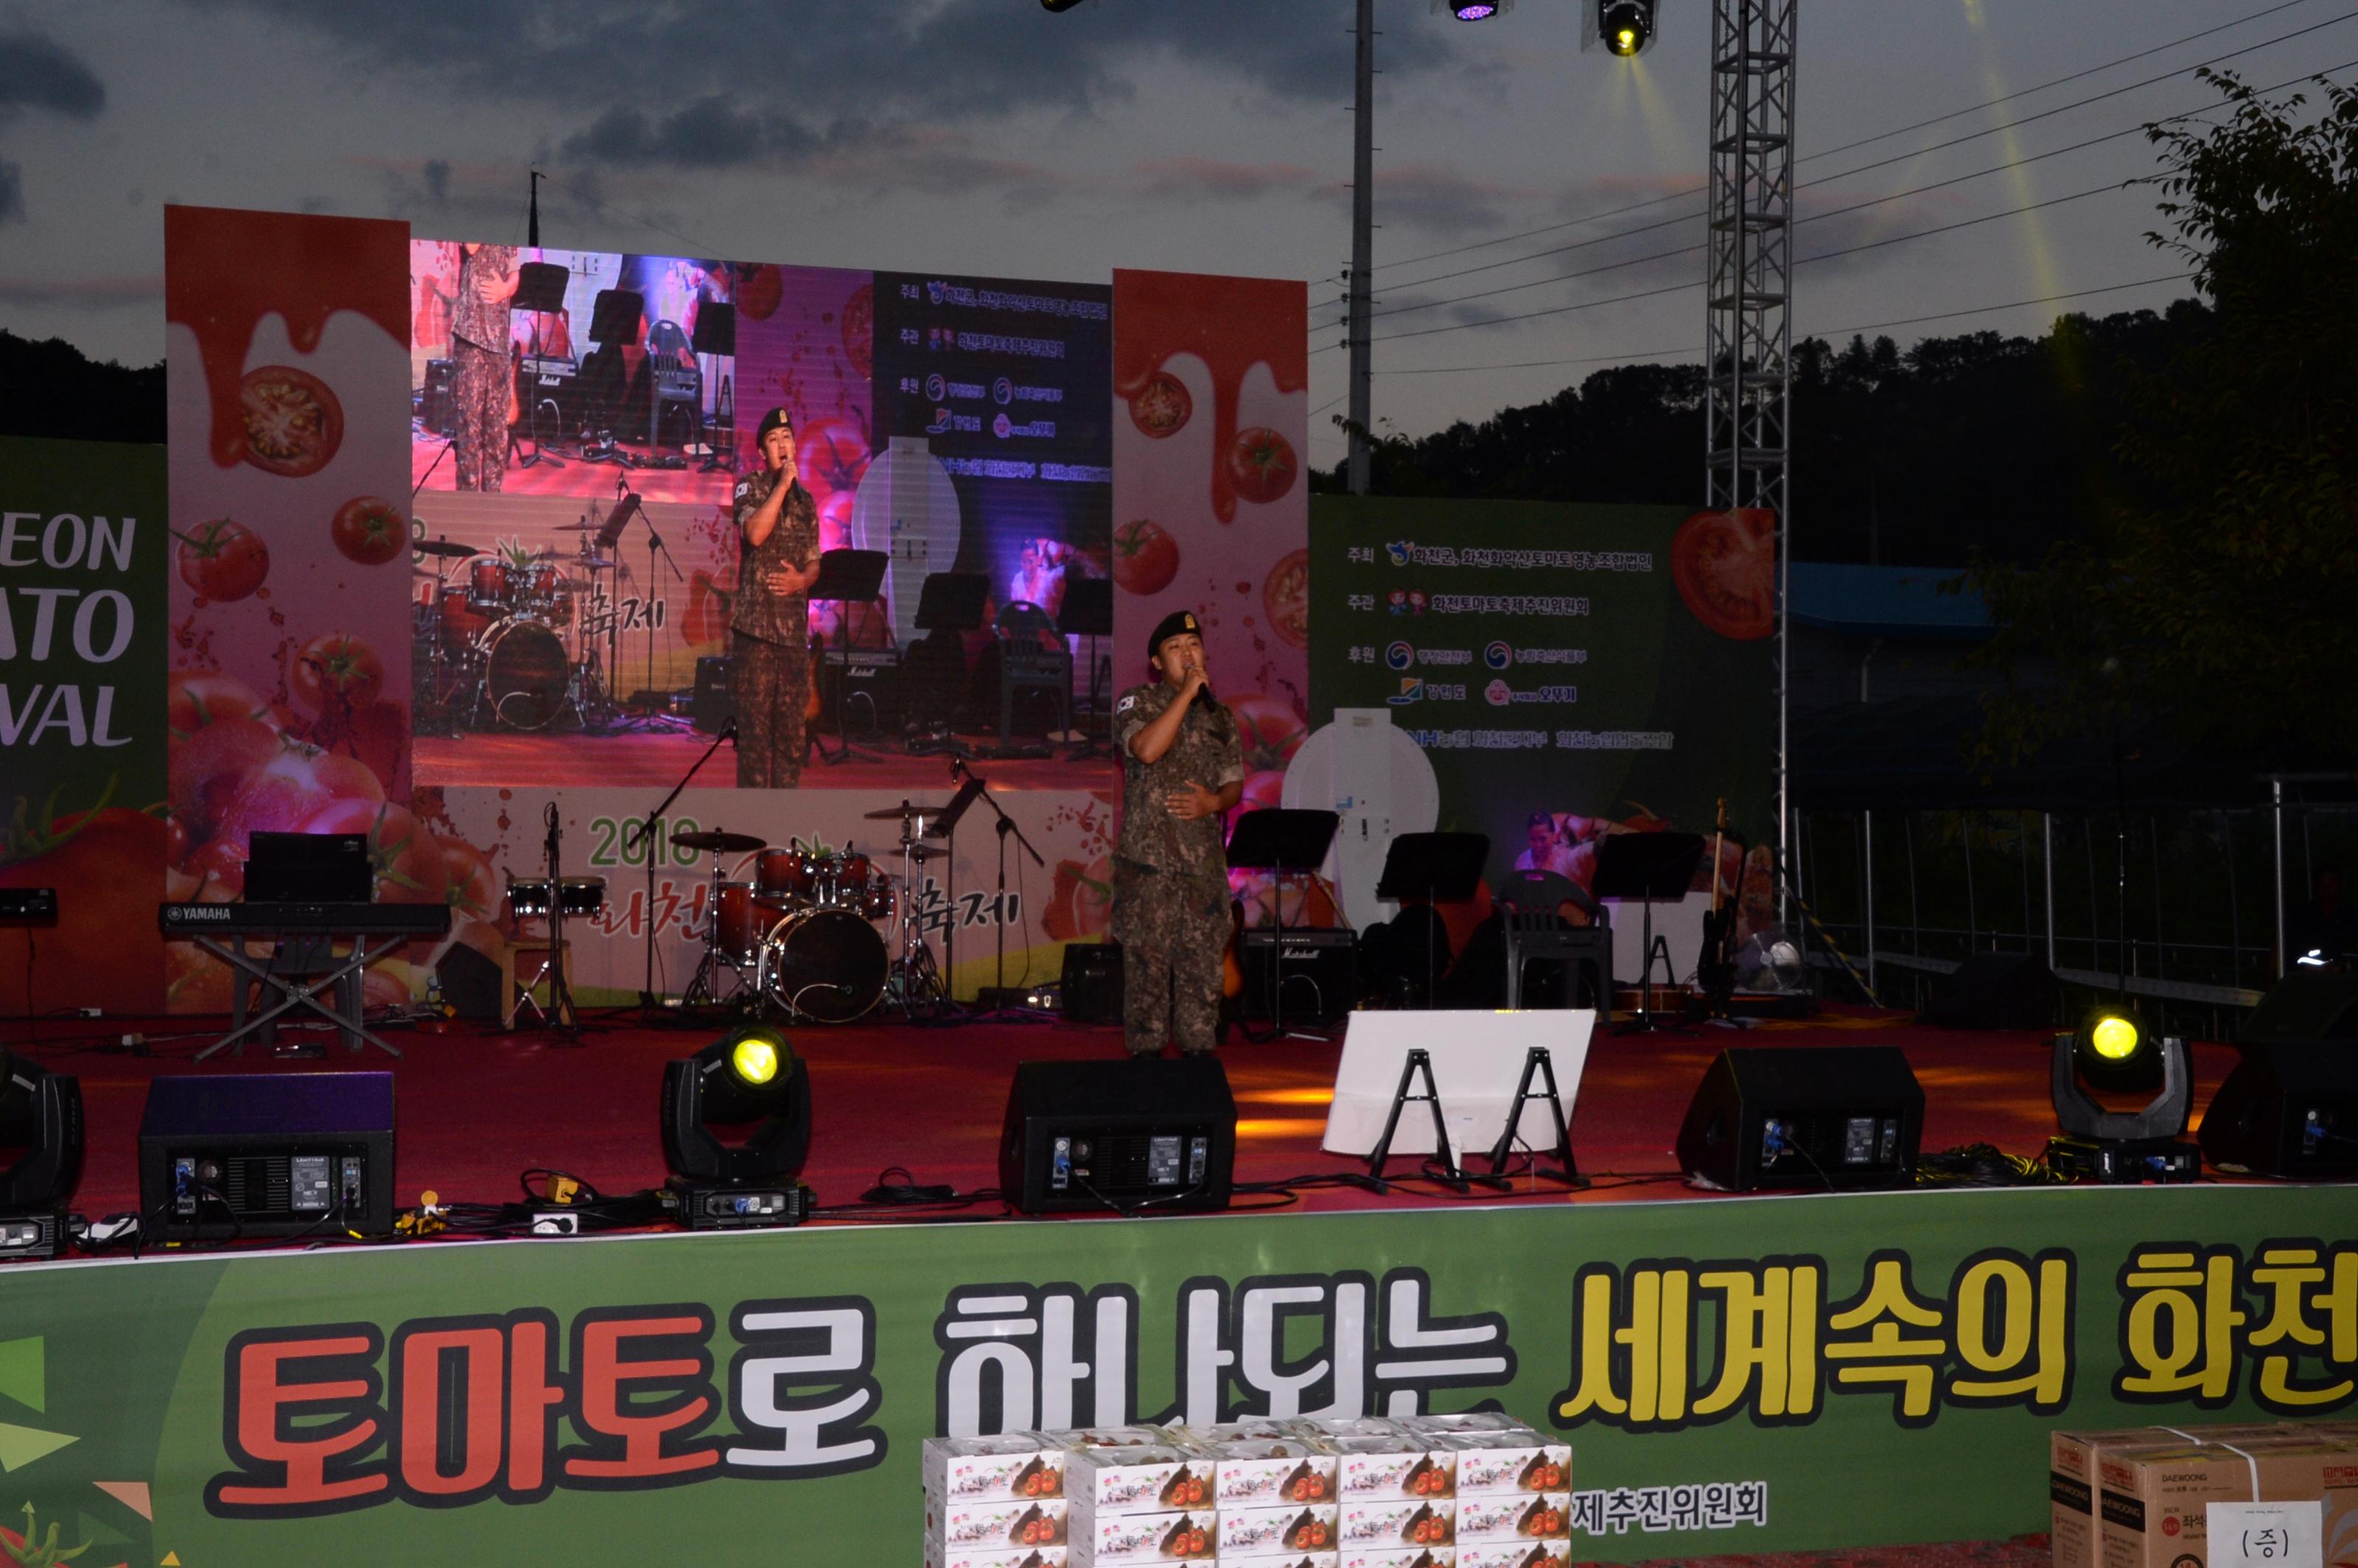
{"points": [[476, 1105], [656, 758]]}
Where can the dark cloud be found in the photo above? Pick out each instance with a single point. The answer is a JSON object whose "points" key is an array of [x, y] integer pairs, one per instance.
{"points": [[437, 176], [104, 292], [697, 86], [37, 72], [1186, 179], [12, 192]]}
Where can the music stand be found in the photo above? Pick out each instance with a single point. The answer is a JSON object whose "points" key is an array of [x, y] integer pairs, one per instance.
{"points": [[1433, 866], [1647, 866], [540, 288], [845, 577], [716, 334], [614, 319], [949, 602], [1088, 612], [1282, 841]]}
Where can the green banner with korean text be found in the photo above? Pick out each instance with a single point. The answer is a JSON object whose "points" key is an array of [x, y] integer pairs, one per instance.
{"points": [[1733, 1376]]}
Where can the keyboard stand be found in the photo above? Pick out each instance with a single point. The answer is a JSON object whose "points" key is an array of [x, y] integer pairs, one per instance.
{"points": [[302, 992]]}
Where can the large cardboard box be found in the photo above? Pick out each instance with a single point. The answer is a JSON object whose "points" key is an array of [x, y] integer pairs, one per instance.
{"points": [[2074, 1530], [2154, 1501]]}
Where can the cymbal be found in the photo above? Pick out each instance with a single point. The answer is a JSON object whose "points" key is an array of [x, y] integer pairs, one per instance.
{"points": [[595, 563], [719, 843], [921, 853], [903, 812], [578, 528], [450, 547]]}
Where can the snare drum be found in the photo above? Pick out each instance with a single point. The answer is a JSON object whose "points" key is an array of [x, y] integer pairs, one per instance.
{"points": [[740, 925], [875, 900], [491, 582], [788, 874]]}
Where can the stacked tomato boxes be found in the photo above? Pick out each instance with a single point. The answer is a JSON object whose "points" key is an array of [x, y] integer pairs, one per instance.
{"points": [[1274, 1483], [1141, 1494], [1514, 1491], [995, 1502]]}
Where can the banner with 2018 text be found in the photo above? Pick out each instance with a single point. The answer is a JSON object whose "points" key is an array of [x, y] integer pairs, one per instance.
{"points": [[1732, 1376]]}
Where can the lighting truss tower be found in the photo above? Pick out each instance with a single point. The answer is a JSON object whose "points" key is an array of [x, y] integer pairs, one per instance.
{"points": [[1747, 329]]}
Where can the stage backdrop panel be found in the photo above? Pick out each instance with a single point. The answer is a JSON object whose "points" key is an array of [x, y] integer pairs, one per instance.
{"points": [[1210, 507], [1787, 1374], [1587, 662], [83, 548]]}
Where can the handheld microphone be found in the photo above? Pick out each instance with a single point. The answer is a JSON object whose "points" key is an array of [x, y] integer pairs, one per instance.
{"points": [[729, 731]]}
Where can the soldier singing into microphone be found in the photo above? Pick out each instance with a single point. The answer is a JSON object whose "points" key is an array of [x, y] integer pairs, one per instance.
{"points": [[1183, 766], [777, 560]]}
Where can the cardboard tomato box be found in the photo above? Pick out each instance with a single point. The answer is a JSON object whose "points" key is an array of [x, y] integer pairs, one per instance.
{"points": [[1490, 1462], [1395, 1465], [2074, 1529], [1398, 1557], [1514, 1515], [1146, 1538], [1513, 1554], [1366, 1523], [1271, 1532], [1265, 1473], [1007, 1464], [1001, 1523], [1146, 1479], [1291, 1559], [994, 1557], [2153, 1501]]}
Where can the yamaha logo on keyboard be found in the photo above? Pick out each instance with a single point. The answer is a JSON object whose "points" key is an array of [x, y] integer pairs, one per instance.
{"points": [[190, 914]]}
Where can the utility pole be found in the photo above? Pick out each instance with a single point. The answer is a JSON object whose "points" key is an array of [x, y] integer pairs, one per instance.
{"points": [[1363, 214]]}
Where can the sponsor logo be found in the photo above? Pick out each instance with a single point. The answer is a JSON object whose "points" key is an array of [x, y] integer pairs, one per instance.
{"points": [[1400, 550], [1499, 693], [1002, 427], [937, 388], [941, 422], [934, 290], [1497, 656], [1002, 392], [1412, 690], [1400, 655]]}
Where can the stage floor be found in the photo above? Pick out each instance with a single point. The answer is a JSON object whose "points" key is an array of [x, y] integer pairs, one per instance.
{"points": [[656, 759], [476, 1107]]}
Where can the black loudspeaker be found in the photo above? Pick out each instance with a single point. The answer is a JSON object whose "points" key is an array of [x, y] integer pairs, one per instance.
{"points": [[715, 695], [40, 1155], [1119, 1136], [1091, 989], [1813, 1119], [2289, 1110], [266, 1154], [2308, 1004], [867, 680], [438, 412], [1318, 970], [1995, 990], [471, 983]]}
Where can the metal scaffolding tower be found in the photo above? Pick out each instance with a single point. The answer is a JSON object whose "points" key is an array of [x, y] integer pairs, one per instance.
{"points": [[1748, 330]]}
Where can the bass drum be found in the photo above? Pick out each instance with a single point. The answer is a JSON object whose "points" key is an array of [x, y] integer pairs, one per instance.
{"points": [[825, 965], [525, 674]]}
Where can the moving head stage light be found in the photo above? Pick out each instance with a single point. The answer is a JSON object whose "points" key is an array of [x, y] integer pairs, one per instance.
{"points": [[1624, 26], [2114, 1051], [40, 1156], [748, 1085]]}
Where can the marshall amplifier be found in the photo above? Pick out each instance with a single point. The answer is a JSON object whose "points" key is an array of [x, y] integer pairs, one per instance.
{"points": [[859, 689], [1317, 968]]}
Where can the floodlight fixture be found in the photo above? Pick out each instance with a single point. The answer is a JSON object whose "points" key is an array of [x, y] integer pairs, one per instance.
{"points": [[736, 1128], [1474, 10], [1624, 26], [2114, 1050]]}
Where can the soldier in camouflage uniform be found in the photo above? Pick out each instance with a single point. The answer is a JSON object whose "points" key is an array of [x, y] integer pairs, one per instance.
{"points": [[777, 560], [482, 373], [1183, 766]]}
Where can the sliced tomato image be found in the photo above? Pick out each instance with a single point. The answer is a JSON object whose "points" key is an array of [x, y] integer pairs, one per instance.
{"points": [[223, 559], [1262, 464], [1145, 557], [1163, 407], [1285, 598], [1725, 564], [292, 422], [370, 530]]}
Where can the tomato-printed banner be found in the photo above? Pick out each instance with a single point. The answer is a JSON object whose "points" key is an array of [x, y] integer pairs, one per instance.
{"points": [[1569, 671], [764, 1396], [82, 545]]}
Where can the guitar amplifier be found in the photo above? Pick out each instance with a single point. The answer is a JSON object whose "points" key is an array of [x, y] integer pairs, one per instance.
{"points": [[1091, 987], [1318, 968], [435, 410], [715, 703], [869, 681]]}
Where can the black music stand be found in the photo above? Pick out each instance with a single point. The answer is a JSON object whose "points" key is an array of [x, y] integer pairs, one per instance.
{"points": [[846, 578], [1647, 866], [614, 319], [716, 334], [1088, 612], [1285, 842], [950, 601], [1433, 866], [540, 288]]}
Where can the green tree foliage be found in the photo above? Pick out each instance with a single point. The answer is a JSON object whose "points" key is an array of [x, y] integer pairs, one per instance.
{"points": [[2226, 598]]}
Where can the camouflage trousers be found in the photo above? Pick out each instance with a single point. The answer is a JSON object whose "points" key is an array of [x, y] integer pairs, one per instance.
{"points": [[772, 686], [1173, 927], [482, 382]]}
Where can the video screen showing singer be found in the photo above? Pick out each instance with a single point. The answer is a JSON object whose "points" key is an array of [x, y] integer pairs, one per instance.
{"points": [[777, 561], [1183, 767]]}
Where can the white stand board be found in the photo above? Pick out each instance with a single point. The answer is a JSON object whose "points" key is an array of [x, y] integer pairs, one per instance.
{"points": [[1478, 1060]]}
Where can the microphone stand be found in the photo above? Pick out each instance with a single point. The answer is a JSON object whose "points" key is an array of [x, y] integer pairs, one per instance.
{"points": [[1001, 1012], [564, 1023], [650, 828]]}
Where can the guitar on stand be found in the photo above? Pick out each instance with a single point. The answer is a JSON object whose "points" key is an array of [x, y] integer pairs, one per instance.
{"points": [[1716, 965]]}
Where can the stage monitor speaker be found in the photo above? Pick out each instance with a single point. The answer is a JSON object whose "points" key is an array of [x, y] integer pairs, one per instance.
{"points": [[2289, 1109], [266, 1154], [471, 982], [2308, 1004], [40, 1155], [715, 703], [1119, 1136], [1318, 968], [1995, 990], [1807, 1117], [1090, 991]]}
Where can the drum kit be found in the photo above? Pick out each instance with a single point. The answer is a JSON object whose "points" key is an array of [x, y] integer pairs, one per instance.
{"points": [[799, 936], [507, 640]]}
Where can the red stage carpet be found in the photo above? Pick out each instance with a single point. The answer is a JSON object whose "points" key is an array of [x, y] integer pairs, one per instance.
{"points": [[655, 760], [476, 1107]]}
